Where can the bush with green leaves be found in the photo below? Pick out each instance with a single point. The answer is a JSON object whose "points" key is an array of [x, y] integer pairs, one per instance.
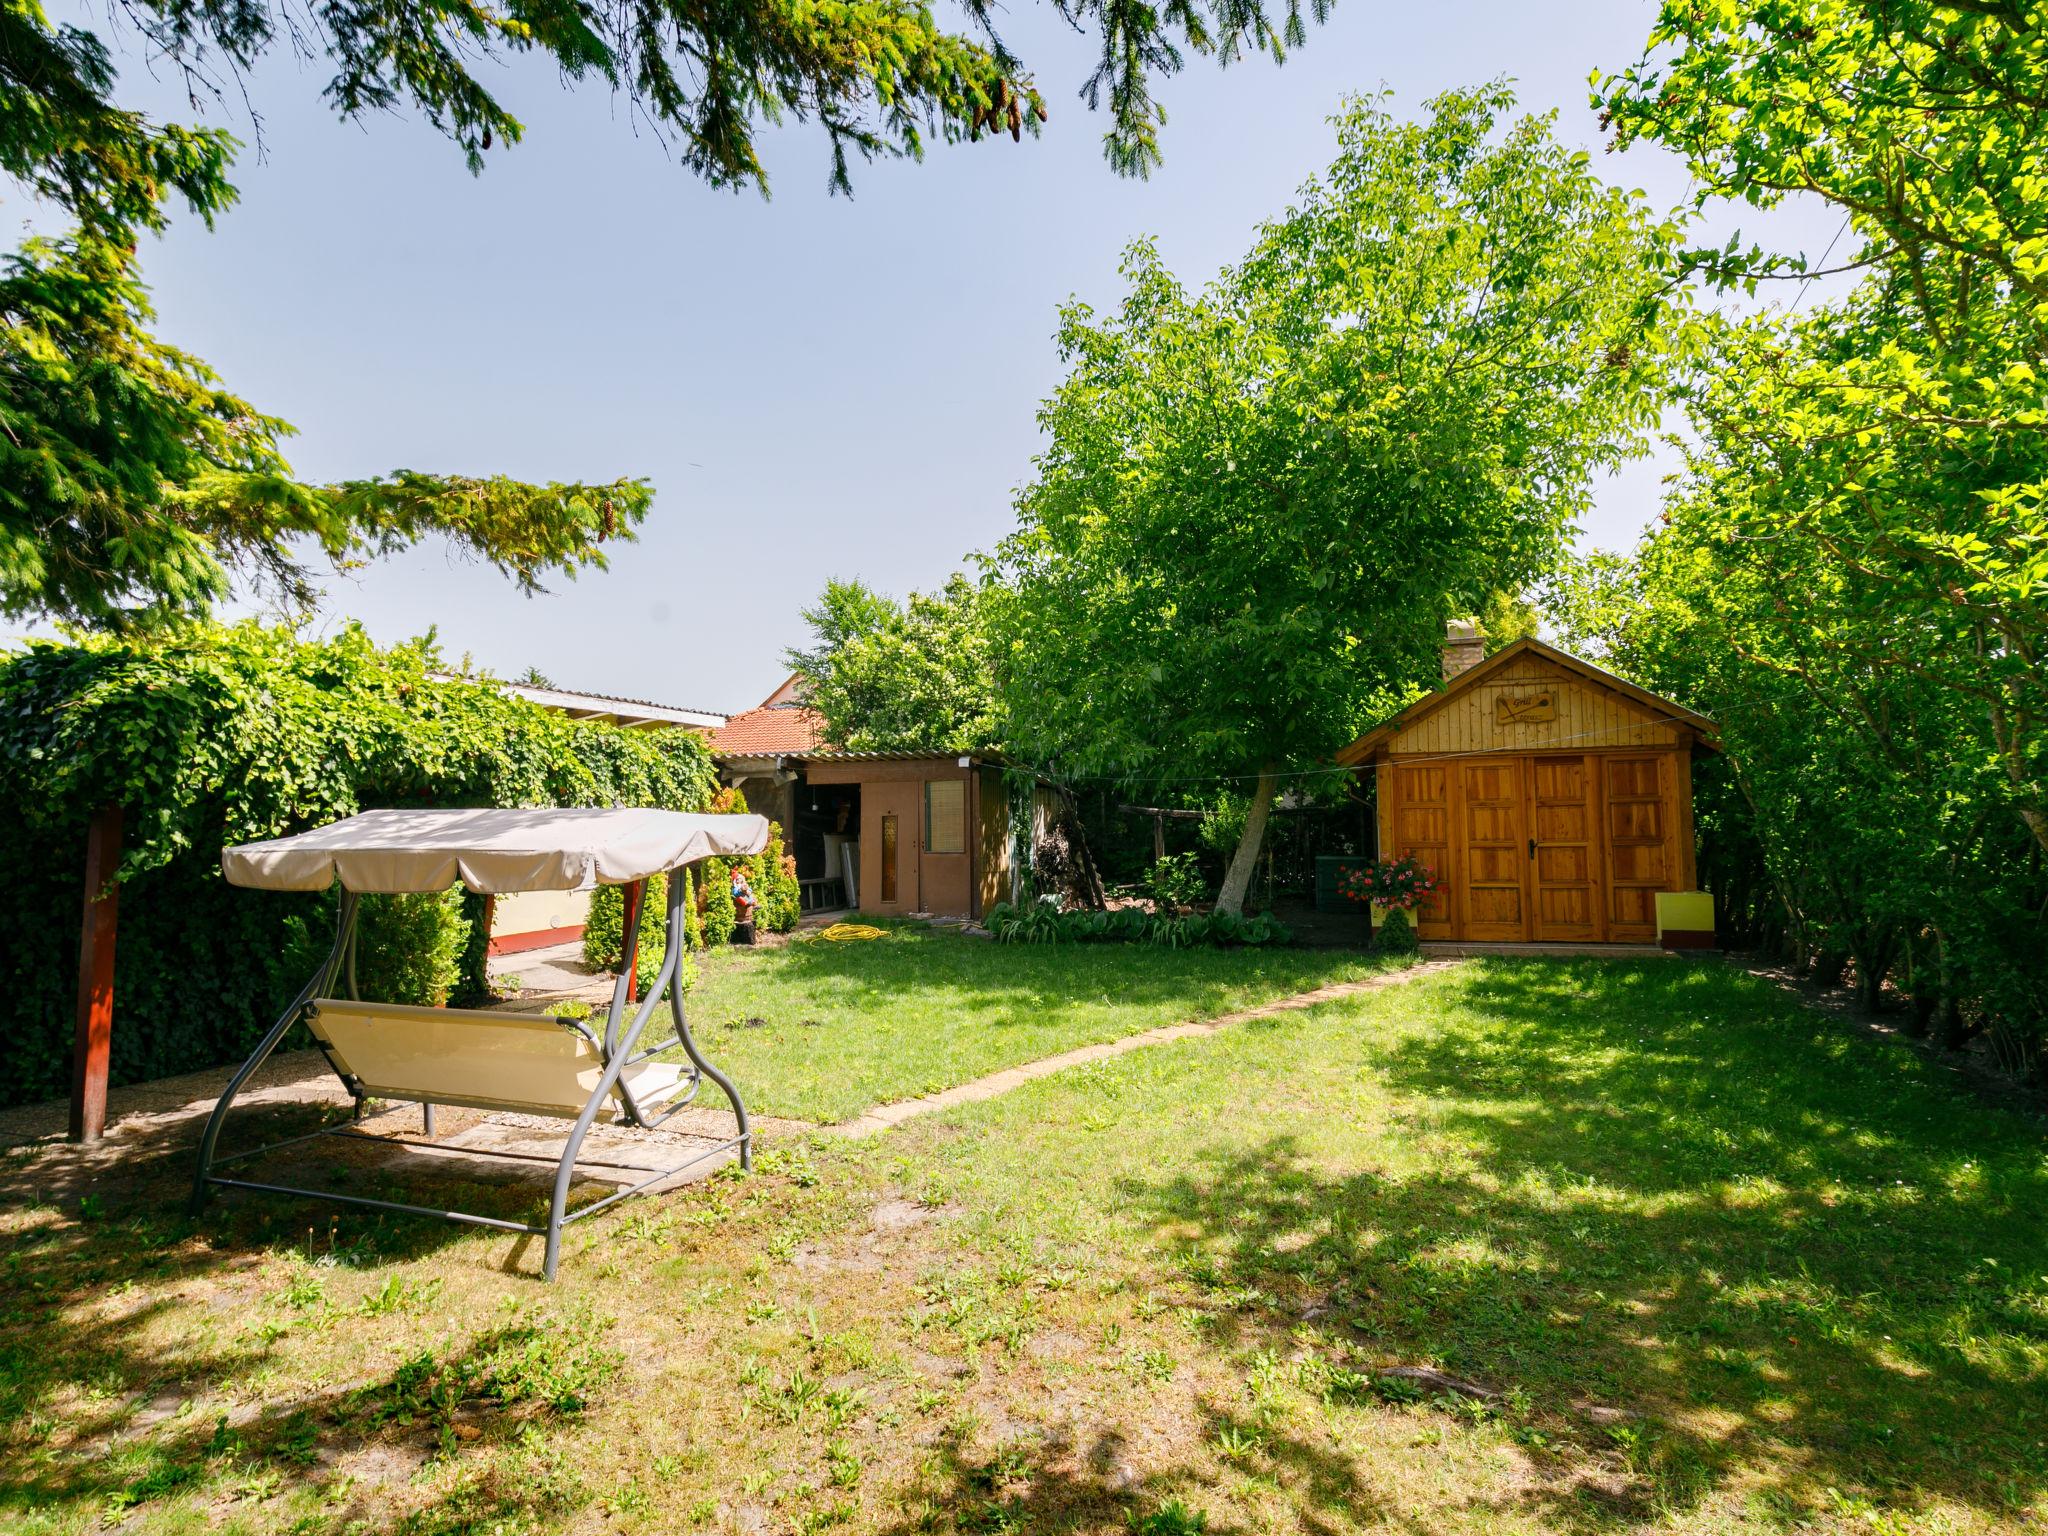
{"points": [[775, 884], [409, 948], [717, 913], [214, 735], [1396, 935], [604, 926], [1175, 882], [1043, 923]]}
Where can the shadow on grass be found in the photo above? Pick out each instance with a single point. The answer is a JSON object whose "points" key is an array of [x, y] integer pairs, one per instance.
{"points": [[1698, 1226], [1053, 1484], [75, 1354]]}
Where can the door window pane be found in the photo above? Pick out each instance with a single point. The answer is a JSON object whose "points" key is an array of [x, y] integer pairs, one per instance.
{"points": [[945, 816], [888, 859]]}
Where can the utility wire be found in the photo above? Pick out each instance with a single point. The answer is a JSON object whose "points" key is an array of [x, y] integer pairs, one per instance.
{"points": [[1330, 771]]}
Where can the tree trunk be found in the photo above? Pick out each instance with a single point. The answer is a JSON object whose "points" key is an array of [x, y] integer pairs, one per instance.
{"points": [[1871, 966], [1092, 894], [1245, 860]]}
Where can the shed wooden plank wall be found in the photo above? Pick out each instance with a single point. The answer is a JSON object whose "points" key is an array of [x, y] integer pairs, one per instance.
{"points": [[1585, 717]]}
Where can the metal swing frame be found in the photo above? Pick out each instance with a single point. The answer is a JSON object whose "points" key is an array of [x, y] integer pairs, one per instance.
{"points": [[618, 1048]]}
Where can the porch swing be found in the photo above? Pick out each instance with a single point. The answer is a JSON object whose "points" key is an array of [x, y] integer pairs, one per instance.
{"points": [[491, 1059]]}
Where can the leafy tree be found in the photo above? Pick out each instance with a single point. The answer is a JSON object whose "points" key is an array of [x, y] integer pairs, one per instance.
{"points": [[130, 480], [1262, 502], [1853, 571], [1506, 618], [910, 677], [1895, 444]]}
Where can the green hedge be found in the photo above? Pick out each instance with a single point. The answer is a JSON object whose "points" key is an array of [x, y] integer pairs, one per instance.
{"points": [[219, 735]]}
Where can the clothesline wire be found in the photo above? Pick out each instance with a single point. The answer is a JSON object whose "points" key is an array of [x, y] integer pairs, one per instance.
{"points": [[1332, 770]]}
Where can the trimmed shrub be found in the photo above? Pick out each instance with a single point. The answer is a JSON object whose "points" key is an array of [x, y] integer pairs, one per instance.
{"points": [[604, 929], [774, 882], [1397, 935], [714, 905], [409, 948]]}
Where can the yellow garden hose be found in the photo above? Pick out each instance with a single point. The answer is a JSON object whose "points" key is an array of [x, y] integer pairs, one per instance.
{"points": [[840, 933]]}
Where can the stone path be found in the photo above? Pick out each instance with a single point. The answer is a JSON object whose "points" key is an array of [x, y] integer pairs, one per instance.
{"points": [[883, 1116]]}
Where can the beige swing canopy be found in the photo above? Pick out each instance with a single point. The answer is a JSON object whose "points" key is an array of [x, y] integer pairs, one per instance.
{"points": [[492, 852]]}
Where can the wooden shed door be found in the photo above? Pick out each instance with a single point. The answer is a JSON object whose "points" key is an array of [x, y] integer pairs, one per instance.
{"points": [[1564, 850], [1492, 875], [1422, 826], [1640, 843], [890, 840]]}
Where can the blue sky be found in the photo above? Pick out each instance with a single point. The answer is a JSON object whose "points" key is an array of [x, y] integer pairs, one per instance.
{"points": [[816, 387]]}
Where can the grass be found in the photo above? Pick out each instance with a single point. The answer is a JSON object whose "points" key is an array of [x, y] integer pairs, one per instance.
{"points": [[1720, 1264], [820, 1031]]}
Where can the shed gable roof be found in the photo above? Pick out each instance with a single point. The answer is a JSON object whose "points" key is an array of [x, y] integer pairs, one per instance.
{"points": [[1523, 656]]}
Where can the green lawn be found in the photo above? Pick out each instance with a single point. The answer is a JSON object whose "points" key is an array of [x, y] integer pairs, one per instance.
{"points": [[817, 1030], [1728, 1265]]}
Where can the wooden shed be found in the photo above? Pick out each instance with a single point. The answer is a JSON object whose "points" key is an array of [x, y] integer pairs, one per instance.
{"points": [[1554, 798]]}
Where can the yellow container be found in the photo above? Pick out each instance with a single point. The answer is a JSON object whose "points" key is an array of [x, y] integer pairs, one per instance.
{"points": [[1685, 919]]}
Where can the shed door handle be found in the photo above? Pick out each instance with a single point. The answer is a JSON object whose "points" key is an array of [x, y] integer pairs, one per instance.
{"points": [[1532, 847]]}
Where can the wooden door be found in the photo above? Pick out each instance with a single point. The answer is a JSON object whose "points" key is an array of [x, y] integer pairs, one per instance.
{"points": [[1564, 847], [1640, 829], [944, 863], [1421, 825], [1493, 861], [890, 838]]}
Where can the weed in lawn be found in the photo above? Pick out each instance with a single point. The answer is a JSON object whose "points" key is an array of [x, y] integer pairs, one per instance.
{"points": [[845, 1465], [397, 1294], [553, 1361], [1171, 1519], [304, 1291]]}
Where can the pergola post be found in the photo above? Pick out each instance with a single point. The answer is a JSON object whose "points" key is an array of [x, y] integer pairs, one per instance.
{"points": [[635, 895], [93, 1040]]}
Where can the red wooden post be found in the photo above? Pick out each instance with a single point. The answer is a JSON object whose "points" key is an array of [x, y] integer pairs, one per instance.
{"points": [[635, 894], [94, 1038]]}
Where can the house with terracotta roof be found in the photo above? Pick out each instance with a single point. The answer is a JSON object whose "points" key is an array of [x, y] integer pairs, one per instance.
{"points": [[883, 832]]}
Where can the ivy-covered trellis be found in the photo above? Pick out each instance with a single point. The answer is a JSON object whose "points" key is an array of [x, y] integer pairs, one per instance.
{"points": [[218, 735]]}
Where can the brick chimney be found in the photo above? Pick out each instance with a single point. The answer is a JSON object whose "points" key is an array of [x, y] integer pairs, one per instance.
{"points": [[1464, 646]]}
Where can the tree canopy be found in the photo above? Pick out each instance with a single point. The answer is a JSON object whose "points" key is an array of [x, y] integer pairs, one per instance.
{"points": [[900, 677], [1261, 502], [131, 480]]}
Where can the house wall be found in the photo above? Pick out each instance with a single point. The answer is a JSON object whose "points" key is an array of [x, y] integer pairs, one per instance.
{"points": [[943, 884], [776, 801], [526, 920], [993, 826]]}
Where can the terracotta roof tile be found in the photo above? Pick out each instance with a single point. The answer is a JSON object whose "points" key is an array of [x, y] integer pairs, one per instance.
{"points": [[770, 729]]}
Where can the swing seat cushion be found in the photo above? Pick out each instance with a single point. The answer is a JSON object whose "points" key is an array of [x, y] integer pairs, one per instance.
{"points": [[479, 1059]]}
